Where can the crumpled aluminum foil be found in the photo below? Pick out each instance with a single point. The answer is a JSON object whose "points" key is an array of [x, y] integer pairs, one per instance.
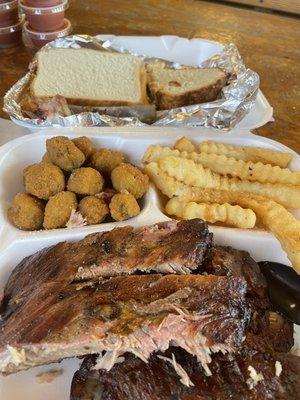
{"points": [[236, 100]]}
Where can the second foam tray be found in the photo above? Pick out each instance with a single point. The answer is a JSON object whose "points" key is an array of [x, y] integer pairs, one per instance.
{"points": [[16, 244], [18, 154]]}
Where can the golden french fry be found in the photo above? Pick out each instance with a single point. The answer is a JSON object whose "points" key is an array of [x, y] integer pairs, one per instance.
{"points": [[193, 174], [226, 213], [166, 184], [245, 169], [184, 144], [273, 216], [155, 152], [175, 206], [255, 154], [223, 165]]}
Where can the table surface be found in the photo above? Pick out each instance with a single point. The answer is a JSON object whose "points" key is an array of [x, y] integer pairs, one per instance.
{"points": [[268, 43]]}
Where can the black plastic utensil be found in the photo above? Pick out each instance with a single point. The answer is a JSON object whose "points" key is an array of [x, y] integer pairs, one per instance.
{"points": [[284, 289]]}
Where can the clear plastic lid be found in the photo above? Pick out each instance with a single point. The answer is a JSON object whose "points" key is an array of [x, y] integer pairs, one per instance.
{"points": [[44, 10], [64, 31], [10, 5]]}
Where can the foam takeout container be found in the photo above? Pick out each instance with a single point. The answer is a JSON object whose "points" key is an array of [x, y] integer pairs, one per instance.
{"points": [[174, 49], [16, 244], [189, 52]]}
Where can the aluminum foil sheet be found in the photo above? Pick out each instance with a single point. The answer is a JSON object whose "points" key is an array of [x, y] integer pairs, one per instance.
{"points": [[236, 100]]}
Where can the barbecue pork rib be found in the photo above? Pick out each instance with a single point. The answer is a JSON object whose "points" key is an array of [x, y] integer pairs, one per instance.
{"points": [[138, 313], [268, 331], [266, 338], [226, 261], [133, 379], [166, 247]]}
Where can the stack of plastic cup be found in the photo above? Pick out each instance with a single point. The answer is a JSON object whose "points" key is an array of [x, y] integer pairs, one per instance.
{"points": [[45, 20], [10, 24]]}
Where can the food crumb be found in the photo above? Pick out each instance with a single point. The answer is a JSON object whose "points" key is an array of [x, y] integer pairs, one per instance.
{"points": [[49, 376], [254, 377], [278, 368]]}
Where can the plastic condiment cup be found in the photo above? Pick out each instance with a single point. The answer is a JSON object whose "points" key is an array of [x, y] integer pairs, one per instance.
{"points": [[11, 36], [9, 13], [45, 19], [39, 39], [41, 3]]}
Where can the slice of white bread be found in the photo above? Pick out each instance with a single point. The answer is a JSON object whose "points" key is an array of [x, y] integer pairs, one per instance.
{"points": [[90, 77], [172, 88]]}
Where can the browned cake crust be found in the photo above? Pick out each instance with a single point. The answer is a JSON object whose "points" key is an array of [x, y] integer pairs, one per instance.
{"points": [[165, 100]]}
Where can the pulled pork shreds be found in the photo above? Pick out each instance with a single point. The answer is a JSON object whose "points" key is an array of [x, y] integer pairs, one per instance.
{"points": [[106, 196], [108, 360], [254, 377], [55, 106], [49, 376], [45, 108], [278, 368], [184, 378], [18, 356], [76, 220]]}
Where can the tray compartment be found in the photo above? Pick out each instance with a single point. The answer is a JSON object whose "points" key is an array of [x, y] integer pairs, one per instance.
{"points": [[16, 244]]}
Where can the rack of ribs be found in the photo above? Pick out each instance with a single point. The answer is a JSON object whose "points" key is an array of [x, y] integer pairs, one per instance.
{"points": [[247, 376], [140, 314]]}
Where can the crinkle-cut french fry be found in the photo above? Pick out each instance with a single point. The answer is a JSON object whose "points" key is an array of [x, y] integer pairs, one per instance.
{"points": [[255, 154], [278, 220], [175, 206], [248, 170], [230, 215], [155, 152], [274, 217], [223, 165], [193, 174], [226, 213], [166, 184], [184, 144]]}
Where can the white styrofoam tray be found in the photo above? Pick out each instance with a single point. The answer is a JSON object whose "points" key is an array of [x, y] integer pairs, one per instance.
{"points": [[187, 52], [16, 244]]}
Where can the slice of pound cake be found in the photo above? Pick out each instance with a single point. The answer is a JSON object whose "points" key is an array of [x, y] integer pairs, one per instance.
{"points": [[172, 88], [90, 77]]}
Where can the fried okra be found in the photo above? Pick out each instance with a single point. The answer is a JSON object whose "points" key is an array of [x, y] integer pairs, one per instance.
{"points": [[85, 181], [46, 158], [123, 206], [26, 212], [93, 209], [58, 210], [130, 178], [85, 145], [105, 160], [63, 153], [43, 180]]}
